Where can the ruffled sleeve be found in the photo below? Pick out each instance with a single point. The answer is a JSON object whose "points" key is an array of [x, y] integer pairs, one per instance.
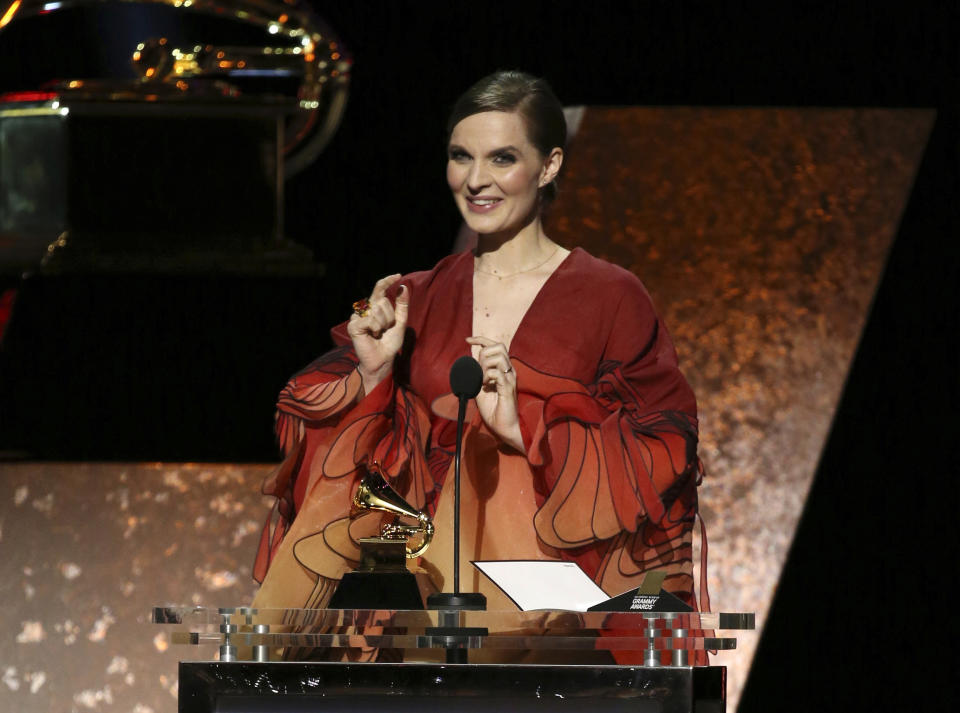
{"points": [[325, 388], [614, 460], [328, 433]]}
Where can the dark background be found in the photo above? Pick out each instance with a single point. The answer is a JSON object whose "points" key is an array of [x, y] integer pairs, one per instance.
{"points": [[860, 619]]}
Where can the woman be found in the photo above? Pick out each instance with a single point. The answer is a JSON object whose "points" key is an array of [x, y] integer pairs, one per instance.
{"points": [[581, 445]]}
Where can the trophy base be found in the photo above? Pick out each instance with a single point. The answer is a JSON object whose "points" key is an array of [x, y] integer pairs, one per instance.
{"points": [[382, 581], [377, 590]]}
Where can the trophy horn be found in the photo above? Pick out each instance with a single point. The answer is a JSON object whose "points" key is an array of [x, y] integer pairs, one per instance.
{"points": [[374, 493]]}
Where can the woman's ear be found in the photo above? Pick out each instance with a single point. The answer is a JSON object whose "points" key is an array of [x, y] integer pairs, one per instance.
{"points": [[551, 166]]}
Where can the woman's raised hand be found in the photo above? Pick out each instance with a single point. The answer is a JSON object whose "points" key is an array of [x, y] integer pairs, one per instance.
{"points": [[497, 400], [378, 335]]}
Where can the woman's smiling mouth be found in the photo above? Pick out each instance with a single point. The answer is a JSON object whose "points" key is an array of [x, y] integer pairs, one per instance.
{"points": [[482, 204]]}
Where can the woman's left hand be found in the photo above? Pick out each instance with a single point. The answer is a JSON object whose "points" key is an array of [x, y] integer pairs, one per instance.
{"points": [[497, 400]]}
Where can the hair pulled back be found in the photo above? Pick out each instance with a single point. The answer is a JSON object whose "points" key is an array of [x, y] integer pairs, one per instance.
{"points": [[529, 96]]}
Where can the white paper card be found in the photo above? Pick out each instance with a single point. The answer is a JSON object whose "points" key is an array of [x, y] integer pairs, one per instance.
{"points": [[544, 584]]}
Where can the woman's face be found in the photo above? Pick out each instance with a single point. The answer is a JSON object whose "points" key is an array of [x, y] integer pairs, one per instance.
{"points": [[495, 173]]}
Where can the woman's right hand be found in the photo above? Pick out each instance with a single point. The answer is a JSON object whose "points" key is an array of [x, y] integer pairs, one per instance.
{"points": [[378, 336]]}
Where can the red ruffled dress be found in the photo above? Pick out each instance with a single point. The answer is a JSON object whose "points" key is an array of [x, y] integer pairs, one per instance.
{"points": [[609, 479]]}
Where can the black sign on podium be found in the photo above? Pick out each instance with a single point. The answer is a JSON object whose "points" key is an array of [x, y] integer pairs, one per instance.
{"points": [[648, 597]]}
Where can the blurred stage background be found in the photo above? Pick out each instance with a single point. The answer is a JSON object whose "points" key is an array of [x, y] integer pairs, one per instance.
{"points": [[782, 178]]}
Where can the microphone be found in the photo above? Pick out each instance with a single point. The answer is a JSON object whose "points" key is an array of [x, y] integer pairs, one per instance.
{"points": [[466, 378]]}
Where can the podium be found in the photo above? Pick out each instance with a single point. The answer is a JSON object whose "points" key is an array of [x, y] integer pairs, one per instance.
{"points": [[244, 678], [466, 688]]}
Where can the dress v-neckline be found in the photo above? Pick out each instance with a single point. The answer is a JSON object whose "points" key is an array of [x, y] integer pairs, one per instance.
{"points": [[511, 350]]}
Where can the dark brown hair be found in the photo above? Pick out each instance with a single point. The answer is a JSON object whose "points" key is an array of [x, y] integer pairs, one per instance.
{"points": [[529, 96]]}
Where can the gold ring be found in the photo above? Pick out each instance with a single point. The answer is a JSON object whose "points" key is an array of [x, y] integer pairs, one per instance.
{"points": [[361, 308]]}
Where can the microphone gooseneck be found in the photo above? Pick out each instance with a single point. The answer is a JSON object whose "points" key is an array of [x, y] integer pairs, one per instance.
{"points": [[466, 378]]}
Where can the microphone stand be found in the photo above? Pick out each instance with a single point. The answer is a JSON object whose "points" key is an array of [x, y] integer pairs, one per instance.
{"points": [[450, 604]]}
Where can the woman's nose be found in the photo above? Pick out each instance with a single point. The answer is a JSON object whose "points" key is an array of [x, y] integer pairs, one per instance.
{"points": [[478, 177]]}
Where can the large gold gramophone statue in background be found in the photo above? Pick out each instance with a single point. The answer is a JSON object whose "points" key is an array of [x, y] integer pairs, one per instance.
{"points": [[179, 159], [382, 580], [297, 45]]}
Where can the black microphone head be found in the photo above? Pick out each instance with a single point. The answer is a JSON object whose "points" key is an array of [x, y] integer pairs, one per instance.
{"points": [[466, 377]]}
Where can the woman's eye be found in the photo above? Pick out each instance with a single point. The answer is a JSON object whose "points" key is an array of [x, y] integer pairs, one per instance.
{"points": [[458, 155], [504, 159]]}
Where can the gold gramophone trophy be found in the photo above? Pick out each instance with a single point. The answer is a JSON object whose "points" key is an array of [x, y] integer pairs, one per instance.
{"points": [[382, 580]]}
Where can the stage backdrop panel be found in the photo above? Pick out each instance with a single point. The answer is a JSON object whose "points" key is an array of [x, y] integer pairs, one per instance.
{"points": [[761, 235], [87, 549]]}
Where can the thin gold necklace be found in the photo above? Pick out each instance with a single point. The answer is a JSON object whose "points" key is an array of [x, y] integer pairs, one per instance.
{"points": [[518, 272]]}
